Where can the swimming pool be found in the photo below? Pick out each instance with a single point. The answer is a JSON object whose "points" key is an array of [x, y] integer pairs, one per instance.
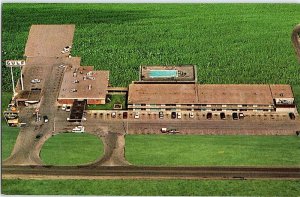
{"points": [[163, 73]]}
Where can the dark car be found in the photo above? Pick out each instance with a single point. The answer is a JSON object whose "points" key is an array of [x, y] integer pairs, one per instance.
{"points": [[235, 116], [161, 114], [222, 116], [292, 116], [209, 115], [173, 115], [45, 119], [125, 114]]}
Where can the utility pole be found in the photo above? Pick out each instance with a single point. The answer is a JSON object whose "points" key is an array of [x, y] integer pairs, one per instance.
{"points": [[12, 80], [22, 84]]}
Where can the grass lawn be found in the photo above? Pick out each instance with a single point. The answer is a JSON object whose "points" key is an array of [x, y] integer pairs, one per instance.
{"points": [[71, 149], [8, 134], [114, 99], [152, 188], [198, 150], [8, 138], [230, 43]]}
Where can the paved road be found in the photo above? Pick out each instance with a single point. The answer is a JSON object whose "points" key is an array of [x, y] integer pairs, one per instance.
{"points": [[286, 127], [27, 147], [146, 172]]}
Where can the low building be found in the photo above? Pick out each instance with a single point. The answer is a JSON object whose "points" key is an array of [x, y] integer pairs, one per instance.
{"points": [[210, 97], [83, 83]]}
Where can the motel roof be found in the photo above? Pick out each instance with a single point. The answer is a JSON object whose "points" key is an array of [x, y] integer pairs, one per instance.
{"points": [[98, 81], [281, 91], [255, 94], [48, 40]]}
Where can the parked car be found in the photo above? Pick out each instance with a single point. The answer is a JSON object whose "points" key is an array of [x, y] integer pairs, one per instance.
{"points": [[241, 115], [161, 114], [78, 129], [179, 115], [164, 130], [222, 116], [191, 114], [35, 81], [137, 115], [209, 115], [173, 115], [113, 114], [125, 114], [45, 119], [68, 108], [173, 131], [235, 116], [64, 106], [292, 116]]}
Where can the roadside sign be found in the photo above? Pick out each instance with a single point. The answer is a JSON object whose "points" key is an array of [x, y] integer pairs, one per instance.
{"points": [[15, 63]]}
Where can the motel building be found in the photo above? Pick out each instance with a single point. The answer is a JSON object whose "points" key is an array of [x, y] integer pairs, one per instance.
{"points": [[177, 94], [83, 83]]}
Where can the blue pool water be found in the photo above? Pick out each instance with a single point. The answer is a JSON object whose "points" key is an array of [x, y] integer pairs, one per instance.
{"points": [[163, 73]]}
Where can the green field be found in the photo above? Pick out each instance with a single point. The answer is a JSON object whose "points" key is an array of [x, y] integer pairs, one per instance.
{"points": [[71, 149], [230, 43], [180, 150], [8, 138], [153, 188]]}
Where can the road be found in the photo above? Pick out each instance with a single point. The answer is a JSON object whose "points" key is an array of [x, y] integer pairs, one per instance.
{"points": [[146, 172]]}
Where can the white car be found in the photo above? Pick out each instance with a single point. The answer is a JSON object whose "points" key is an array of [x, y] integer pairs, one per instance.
{"points": [[35, 81], [78, 129], [179, 115], [137, 115], [61, 66], [64, 106]]}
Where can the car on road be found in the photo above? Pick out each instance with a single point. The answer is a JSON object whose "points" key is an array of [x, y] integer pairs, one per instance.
{"points": [[241, 115], [235, 116], [173, 115], [68, 108], [179, 115], [45, 119], [292, 116], [161, 114], [137, 115], [191, 114], [125, 114], [209, 115], [61, 66], [35, 81], [78, 129], [113, 114], [222, 116], [38, 136]]}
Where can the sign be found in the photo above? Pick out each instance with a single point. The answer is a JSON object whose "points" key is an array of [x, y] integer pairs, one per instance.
{"points": [[15, 63]]}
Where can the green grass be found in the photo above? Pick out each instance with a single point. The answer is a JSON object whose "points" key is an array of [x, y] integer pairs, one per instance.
{"points": [[198, 150], [9, 136], [71, 149], [230, 43], [152, 188], [114, 99], [5, 98]]}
